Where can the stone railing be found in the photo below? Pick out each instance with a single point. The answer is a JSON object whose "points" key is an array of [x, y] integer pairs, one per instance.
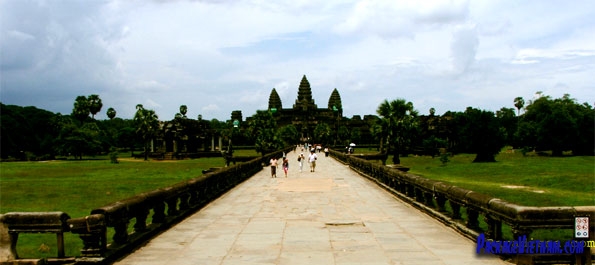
{"points": [[151, 212], [432, 197]]}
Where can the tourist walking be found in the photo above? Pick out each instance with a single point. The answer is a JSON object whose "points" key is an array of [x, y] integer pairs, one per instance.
{"points": [[285, 166], [326, 151], [301, 159], [273, 167], [312, 160]]}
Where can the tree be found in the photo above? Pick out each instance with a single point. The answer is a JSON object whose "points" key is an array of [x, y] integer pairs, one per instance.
{"points": [[147, 124], [81, 108], [288, 134], [111, 113], [376, 132], [94, 104], [183, 110], [481, 134], [322, 133], [508, 122], [399, 122], [343, 134], [557, 125], [27, 132], [262, 128], [519, 103], [78, 140]]}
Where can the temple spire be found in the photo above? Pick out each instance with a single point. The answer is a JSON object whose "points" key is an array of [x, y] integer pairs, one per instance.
{"points": [[334, 102], [274, 100], [304, 100]]}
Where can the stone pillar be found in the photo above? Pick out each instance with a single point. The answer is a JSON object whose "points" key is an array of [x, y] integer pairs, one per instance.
{"points": [[6, 251], [456, 210], [494, 228], [472, 221], [140, 223], [440, 203], [212, 143]]}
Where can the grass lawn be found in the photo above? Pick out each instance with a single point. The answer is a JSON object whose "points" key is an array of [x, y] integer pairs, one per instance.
{"points": [[526, 180], [77, 187]]}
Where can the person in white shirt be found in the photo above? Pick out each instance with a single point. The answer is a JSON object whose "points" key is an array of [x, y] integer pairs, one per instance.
{"points": [[312, 160], [273, 167]]}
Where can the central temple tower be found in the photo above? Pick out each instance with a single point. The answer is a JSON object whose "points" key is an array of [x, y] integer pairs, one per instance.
{"points": [[304, 101], [305, 114]]}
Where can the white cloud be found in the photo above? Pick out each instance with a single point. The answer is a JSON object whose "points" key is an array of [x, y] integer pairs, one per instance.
{"points": [[219, 56], [211, 107], [464, 47]]}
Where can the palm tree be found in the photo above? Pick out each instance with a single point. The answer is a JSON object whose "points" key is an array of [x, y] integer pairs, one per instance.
{"points": [[81, 108], [519, 103], [111, 113], [398, 121], [147, 124], [183, 110], [94, 104]]}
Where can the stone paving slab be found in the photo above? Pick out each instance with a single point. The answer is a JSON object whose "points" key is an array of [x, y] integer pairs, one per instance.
{"points": [[331, 216]]}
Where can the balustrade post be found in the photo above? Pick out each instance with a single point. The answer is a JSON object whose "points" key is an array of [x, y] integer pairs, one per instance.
{"points": [[419, 195], [184, 197], [402, 187], [92, 231], [456, 210], [193, 199], [140, 223], [172, 206], [159, 213], [429, 199], [494, 228], [440, 202], [519, 231], [121, 230], [472, 218]]}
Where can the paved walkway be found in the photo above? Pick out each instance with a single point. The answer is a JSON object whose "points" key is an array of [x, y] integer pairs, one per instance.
{"points": [[330, 216]]}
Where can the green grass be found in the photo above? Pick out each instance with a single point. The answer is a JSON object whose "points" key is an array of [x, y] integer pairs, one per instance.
{"points": [[527, 180], [77, 187]]}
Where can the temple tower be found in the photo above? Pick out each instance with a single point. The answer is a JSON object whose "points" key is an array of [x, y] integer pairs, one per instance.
{"points": [[275, 100], [334, 102], [304, 101]]}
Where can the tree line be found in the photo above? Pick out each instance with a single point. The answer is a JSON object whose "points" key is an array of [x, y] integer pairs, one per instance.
{"points": [[544, 123], [547, 124]]}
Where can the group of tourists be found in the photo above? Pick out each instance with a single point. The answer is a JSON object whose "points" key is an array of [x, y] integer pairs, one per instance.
{"points": [[311, 159]]}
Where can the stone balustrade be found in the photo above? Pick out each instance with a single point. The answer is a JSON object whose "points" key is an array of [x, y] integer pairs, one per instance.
{"points": [[431, 196]]}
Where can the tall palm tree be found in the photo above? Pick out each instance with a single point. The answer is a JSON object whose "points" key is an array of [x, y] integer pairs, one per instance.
{"points": [[519, 103], [398, 121], [183, 110], [94, 104], [147, 124], [111, 113]]}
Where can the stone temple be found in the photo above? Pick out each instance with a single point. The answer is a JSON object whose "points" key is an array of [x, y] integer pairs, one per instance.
{"points": [[305, 114]]}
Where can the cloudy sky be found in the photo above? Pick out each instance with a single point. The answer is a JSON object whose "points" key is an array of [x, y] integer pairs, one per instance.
{"points": [[216, 56]]}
